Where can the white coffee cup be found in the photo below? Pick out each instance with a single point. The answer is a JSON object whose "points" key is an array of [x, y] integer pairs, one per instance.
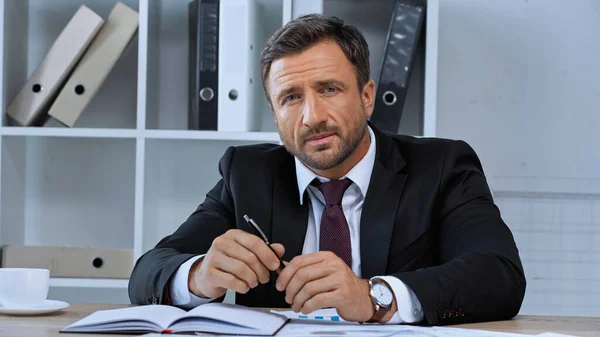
{"points": [[23, 287]]}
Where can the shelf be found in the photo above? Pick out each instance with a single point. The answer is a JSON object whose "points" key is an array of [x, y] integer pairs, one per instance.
{"points": [[128, 133], [67, 132], [544, 187], [89, 283], [213, 135]]}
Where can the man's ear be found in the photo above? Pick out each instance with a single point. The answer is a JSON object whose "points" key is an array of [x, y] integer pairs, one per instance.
{"points": [[368, 97]]}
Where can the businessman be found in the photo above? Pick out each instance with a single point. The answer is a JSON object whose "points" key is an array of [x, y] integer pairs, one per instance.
{"points": [[384, 228]]}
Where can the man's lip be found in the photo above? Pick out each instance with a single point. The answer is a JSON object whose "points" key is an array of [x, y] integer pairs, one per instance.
{"points": [[323, 135]]}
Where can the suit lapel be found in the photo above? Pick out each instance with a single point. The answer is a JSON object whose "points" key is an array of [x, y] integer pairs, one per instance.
{"points": [[380, 206], [290, 219]]}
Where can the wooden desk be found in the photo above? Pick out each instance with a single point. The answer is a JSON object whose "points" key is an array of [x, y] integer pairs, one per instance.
{"points": [[49, 325]]}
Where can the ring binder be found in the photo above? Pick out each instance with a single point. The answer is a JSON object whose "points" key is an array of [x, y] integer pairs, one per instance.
{"points": [[204, 64], [95, 65], [402, 40], [30, 106]]}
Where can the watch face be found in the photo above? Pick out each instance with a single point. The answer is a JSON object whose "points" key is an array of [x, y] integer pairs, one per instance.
{"points": [[382, 294]]}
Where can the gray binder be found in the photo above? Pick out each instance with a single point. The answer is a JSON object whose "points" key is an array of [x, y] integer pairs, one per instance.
{"points": [[84, 262], [95, 65], [30, 106]]}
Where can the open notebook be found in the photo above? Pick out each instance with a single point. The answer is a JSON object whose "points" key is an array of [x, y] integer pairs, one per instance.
{"points": [[220, 318]]}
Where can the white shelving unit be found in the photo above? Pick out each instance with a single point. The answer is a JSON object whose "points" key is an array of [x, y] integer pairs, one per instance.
{"points": [[129, 172], [88, 283]]}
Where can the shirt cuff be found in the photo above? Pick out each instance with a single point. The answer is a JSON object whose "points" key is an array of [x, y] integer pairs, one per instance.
{"points": [[409, 307], [180, 293]]}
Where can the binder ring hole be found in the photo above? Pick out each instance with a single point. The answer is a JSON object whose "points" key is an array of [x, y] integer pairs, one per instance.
{"points": [[233, 94], [97, 262], [79, 89], [389, 97], [206, 94], [37, 88]]}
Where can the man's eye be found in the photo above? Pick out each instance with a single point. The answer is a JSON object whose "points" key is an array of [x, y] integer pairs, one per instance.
{"points": [[330, 89], [290, 97]]}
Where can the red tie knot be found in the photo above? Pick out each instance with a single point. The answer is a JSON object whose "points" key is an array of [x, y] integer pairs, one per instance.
{"points": [[333, 190]]}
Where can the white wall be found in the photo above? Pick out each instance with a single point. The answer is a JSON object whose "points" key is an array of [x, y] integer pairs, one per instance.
{"points": [[518, 80]]}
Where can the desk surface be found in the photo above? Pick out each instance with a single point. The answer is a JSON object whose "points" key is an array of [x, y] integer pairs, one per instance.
{"points": [[49, 325]]}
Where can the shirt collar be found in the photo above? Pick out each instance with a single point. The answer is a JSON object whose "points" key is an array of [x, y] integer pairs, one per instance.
{"points": [[360, 174]]}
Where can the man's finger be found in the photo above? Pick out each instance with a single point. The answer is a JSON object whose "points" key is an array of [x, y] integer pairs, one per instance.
{"points": [[227, 281], [279, 249], [314, 288], [298, 262], [239, 252], [238, 269], [320, 301], [258, 247], [303, 277]]}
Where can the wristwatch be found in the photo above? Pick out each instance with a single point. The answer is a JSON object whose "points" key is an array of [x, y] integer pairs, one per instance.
{"points": [[382, 297]]}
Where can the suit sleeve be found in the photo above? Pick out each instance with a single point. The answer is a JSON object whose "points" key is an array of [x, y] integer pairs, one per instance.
{"points": [[153, 271], [480, 276]]}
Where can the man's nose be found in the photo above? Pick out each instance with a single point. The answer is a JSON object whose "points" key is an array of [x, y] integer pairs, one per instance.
{"points": [[314, 114]]}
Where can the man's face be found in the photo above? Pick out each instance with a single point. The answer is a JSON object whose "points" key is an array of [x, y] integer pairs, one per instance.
{"points": [[319, 111]]}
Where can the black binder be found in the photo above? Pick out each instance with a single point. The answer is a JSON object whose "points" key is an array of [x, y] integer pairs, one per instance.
{"points": [[404, 32], [203, 64]]}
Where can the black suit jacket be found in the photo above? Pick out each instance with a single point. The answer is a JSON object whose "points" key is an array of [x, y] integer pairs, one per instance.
{"points": [[428, 218]]}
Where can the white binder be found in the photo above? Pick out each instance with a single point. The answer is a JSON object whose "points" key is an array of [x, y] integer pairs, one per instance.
{"points": [[95, 65], [30, 105], [240, 96]]}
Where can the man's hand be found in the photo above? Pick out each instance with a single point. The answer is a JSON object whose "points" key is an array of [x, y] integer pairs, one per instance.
{"points": [[236, 260], [323, 280]]}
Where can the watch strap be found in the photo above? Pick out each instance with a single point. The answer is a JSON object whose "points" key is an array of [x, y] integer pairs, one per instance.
{"points": [[380, 313]]}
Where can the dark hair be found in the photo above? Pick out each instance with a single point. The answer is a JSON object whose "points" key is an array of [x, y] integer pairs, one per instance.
{"points": [[305, 31]]}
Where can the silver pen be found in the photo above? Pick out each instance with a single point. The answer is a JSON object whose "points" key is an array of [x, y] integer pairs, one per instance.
{"points": [[265, 239]]}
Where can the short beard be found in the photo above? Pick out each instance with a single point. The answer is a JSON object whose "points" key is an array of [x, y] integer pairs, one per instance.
{"points": [[346, 148]]}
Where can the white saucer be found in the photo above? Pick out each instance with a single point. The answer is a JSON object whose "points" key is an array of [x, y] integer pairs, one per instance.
{"points": [[47, 307]]}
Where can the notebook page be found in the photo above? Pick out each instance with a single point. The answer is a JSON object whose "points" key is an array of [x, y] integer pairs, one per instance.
{"points": [[214, 327], [160, 315], [239, 315]]}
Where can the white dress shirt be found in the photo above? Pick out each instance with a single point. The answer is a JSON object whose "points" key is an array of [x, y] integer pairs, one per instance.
{"points": [[409, 308]]}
